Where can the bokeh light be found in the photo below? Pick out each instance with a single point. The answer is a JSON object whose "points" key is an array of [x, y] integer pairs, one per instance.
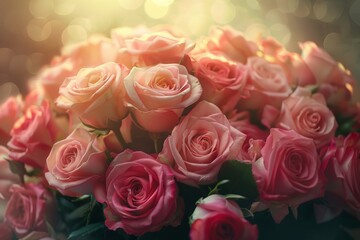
{"points": [[32, 31]]}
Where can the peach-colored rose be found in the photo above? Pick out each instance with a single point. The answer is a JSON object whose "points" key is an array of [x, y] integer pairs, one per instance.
{"points": [[232, 43], [95, 51], [28, 208], [95, 95], [76, 164], [223, 80], [10, 111], [296, 70], [342, 158], [33, 136], [52, 77], [140, 194], [158, 95], [217, 218], [200, 144], [289, 172], [309, 116], [154, 48], [266, 82]]}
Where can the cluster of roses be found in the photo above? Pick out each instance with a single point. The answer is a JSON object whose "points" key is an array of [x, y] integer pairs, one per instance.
{"points": [[128, 119]]}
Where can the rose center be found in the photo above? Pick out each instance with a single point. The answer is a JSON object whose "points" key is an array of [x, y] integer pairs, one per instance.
{"points": [[224, 231]]}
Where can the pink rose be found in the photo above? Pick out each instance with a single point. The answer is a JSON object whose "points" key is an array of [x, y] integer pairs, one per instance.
{"points": [[6, 232], [215, 217], [232, 43], [94, 51], [323, 66], [33, 136], [27, 209], [76, 163], [296, 70], [266, 82], [37, 236], [200, 144], [309, 116], [223, 81], [154, 48], [158, 95], [342, 159], [140, 194], [7, 177], [95, 94], [10, 111], [53, 76], [289, 172]]}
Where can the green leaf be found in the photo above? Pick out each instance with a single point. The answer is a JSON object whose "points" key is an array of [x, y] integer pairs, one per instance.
{"points": [[86, 230], [234, 196], [216, 189], [241, 180]]}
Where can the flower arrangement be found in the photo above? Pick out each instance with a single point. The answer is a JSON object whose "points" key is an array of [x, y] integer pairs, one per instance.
{"points": [[148, 135]]}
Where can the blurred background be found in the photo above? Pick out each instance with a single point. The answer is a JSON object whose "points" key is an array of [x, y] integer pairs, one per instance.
{"points": [[33, 31]]}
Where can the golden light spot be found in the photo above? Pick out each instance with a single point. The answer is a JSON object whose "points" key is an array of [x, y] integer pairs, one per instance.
{"points": [[154, 10], [73, 33], [163, 2], [280, 32], [41, 8], [130, 4], [39, 30], [64, 7], [287, 6], [320, 9], [223, 11]]}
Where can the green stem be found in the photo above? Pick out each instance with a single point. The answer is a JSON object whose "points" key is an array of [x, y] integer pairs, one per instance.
{"points": [[115, 127]]}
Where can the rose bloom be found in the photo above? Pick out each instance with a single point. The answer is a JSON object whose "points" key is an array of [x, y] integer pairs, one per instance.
{"points": [[95, 94], [309, 116], [289, 171], [266, 82], [76, 163], [10, 111], [154, 48], [33, 136], [342, 158], [96, 50], [222, 80], [323, 66], [232, 43], [297, 71], [200, 144], [158, 95], [215, 217], [27, 208], [140, 194]]}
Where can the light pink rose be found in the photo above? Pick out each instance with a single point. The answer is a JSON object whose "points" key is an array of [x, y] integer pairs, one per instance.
{"points": [[53, 76], [309, 116], [140, 194], [96, 50], [200, 144], [154, 48], [232, 43], [215, 217], [27, 208], [323, 66], [76, 163], [37, 236], [10, 111], [297, 71], [6, 232], [95, 95], [158, 95], [267, 84], [289, 172], [7, 177], [33, 136], [223, 80], [342, 158]]}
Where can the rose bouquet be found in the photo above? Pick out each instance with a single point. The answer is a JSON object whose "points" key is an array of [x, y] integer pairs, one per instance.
{"points": [[149, 135]]}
